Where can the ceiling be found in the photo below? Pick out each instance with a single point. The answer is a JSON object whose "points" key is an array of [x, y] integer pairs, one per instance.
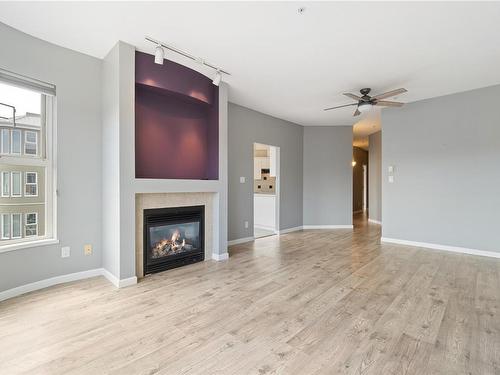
{"points": [[293, 65]]}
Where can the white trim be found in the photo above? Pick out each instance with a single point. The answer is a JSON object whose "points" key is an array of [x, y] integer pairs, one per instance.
{"points": [[454, 249], [328, 226], [12, 226], [220, 257], [20, 184], [5, 173], [26, 184], [17, 291], [26, 224], [2, 137], [49, 282], [119, 283], [12, 142], [240, 240], [264, 227], [26, 142], [28, 244], [374, 221], [288, 230]]}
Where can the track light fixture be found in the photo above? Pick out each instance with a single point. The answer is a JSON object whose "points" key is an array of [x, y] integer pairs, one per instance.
{"points": [[217, 78], [160, 55]]}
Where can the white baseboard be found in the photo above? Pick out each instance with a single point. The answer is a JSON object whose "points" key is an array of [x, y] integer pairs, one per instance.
{"points": [[31, 287], [348, 226], [288, 230], [454, 249], [374, 221], [240, 240], [119, 283], [264, 227], [220, 257]]}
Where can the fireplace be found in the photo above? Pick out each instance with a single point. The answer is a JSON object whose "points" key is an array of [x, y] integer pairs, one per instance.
{"points": [[173, 237]]}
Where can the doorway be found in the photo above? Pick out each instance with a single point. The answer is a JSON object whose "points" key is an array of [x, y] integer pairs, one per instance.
{"points": [[266, 182]]}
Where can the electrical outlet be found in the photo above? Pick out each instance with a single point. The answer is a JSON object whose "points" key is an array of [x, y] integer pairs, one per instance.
{"points": [[65, 251], [246, 224], [87, 249], [242, 180]]}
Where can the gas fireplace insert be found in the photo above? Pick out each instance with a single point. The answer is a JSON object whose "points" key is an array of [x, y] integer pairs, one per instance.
{"points": [[173, 237]]}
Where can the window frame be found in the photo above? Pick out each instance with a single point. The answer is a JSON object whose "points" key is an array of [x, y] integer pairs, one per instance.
{"points": [[3, 131], [2, 234], [2, 193], [12, 226], [19, 131], [20, 184], [26, 183], [26, 142], [46, 157], [26, 224]]}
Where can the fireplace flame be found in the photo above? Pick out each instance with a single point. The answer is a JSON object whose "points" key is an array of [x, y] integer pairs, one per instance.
{"points": [[170, 246], [175, 236]]}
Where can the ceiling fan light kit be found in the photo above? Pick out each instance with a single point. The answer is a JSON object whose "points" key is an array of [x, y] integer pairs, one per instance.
{"points": [[365, 102]]}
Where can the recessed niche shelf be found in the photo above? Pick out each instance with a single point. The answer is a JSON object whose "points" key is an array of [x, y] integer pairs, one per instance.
{"points": [[176, 122]]}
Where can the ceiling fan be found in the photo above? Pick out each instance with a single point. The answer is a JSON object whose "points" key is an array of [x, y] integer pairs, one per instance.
{"points": [[365, 102]]}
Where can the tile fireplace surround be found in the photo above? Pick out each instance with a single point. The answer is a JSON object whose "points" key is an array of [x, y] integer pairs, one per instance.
{"points": [[162, 200]]}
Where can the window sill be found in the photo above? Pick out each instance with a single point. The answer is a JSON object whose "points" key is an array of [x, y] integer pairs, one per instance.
{"points": [[28, 244]]}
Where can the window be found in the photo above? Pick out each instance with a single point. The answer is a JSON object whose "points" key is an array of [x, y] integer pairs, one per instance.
{"points": [[16, 184], [5, 184], [31, 227], [31, 185], [16, 225], [30, 143], [5, 141], [5, 226], [15, 142], [27, 164]]}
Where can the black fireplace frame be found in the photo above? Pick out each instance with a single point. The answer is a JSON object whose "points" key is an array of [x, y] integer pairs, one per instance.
{"points": [[176, 215]]}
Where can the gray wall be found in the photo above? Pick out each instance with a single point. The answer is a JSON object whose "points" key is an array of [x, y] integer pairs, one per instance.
{"points": [[245, 127], [361, 157], [327, 175], [77, 78], [446, 154], [375, 176]]}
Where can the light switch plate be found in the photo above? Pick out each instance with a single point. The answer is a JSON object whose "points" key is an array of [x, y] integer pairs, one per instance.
{"points": [[242, 180], [65, 251], [391, 169], [246, 224], [391, 179]]}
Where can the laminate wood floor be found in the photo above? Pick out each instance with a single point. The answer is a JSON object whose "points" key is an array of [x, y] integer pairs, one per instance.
{"points": [[311, 302]]}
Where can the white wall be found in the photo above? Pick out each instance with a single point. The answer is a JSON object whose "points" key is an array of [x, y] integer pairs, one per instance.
{"points": [[78, 83]]}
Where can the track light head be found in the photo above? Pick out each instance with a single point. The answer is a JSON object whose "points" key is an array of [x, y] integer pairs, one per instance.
{"points": [[217, 78], [159, 55]]}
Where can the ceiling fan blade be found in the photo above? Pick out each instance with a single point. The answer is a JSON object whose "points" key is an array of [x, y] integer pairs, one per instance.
{"points": [[357, 112], [389, 94], [386, 103], [352, 96], [340, 106]]}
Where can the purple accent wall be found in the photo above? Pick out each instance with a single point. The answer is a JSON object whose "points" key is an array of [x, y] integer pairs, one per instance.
{"points": [[176, 122]]}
